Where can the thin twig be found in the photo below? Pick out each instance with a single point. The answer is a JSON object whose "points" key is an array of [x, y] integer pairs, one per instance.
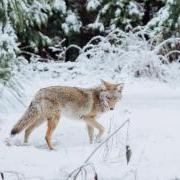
{"points": [[95, 150]]}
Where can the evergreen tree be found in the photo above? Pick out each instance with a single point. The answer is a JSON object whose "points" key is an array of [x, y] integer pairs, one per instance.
{"points": [[8, 44], [39, 24], [122, 14], [172, 23], [28, 17], [166, 21]]}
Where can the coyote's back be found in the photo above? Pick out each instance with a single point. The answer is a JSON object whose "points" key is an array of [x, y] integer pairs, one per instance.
{"points": [[51, 100]]}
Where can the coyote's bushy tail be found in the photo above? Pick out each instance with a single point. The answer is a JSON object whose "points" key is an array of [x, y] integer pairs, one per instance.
{"points": [[27, 119]]}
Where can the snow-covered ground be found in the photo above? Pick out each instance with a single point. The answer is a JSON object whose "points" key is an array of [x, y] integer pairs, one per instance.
{"points": [[153, 108]]}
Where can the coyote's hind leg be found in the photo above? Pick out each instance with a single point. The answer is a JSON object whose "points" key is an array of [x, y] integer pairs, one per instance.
{"points": [[29, 130]]}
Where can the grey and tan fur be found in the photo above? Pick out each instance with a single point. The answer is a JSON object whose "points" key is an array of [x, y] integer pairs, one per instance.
{"points": [[77, 103]]}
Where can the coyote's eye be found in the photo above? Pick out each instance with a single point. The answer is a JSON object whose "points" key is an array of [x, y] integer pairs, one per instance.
{"points": [[120, 90], [114, 98]]}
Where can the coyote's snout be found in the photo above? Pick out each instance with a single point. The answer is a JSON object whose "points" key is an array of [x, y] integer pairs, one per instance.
{"points": [[78, 103]]}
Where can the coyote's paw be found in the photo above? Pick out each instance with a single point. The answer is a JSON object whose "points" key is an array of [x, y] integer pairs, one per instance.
{"points": [[52, 149], [99, 139], [26, 144]]}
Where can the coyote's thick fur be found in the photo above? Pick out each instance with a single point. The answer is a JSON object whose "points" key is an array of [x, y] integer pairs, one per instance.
{"points": [[78, 103]]}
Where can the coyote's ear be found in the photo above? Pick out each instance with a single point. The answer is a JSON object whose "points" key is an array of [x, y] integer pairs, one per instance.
{"points": [[103, 84], [120, 86]]}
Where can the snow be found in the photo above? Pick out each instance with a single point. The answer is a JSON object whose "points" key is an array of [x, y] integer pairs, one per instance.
{"points": [[59, 5], [117, 12], [133, 9], [92, 5], [152, 106], [97, 25], [71, 23], [105, 8]]}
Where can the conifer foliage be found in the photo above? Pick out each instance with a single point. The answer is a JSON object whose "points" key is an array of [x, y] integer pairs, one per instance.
{"points": [[38, 26]]}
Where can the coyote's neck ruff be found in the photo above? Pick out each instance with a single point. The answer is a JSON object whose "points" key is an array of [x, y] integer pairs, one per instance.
{"points": [[77, 103]]}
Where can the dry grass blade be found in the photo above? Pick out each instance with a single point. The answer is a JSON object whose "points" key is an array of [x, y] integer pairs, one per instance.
{"points": [[128, 153], [75, 173], [2, 176], [96, 177]]}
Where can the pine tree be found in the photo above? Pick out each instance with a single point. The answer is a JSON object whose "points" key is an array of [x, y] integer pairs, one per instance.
{"points": [[8, 43], [31, 20], [39, 24], [172, 23], [118, 14], [28, 18], [166, 21]]}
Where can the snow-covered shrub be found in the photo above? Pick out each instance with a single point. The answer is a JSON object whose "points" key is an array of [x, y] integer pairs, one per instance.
{"points": [[128, 54]]}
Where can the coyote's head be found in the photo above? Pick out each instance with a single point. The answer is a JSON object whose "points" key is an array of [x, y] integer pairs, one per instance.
{"points": [[110, 94]]}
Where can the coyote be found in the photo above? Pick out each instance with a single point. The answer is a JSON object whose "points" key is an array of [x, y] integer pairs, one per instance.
{"points": [[77, 103]]}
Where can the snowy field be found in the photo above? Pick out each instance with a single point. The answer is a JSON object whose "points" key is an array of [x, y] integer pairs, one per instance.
{"points": [[150, 103], [151, 106]]}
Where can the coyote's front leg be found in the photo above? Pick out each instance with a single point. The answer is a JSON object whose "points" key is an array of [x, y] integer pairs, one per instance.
{"points": [[90, 133], [52, 124], [91, 124]]}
